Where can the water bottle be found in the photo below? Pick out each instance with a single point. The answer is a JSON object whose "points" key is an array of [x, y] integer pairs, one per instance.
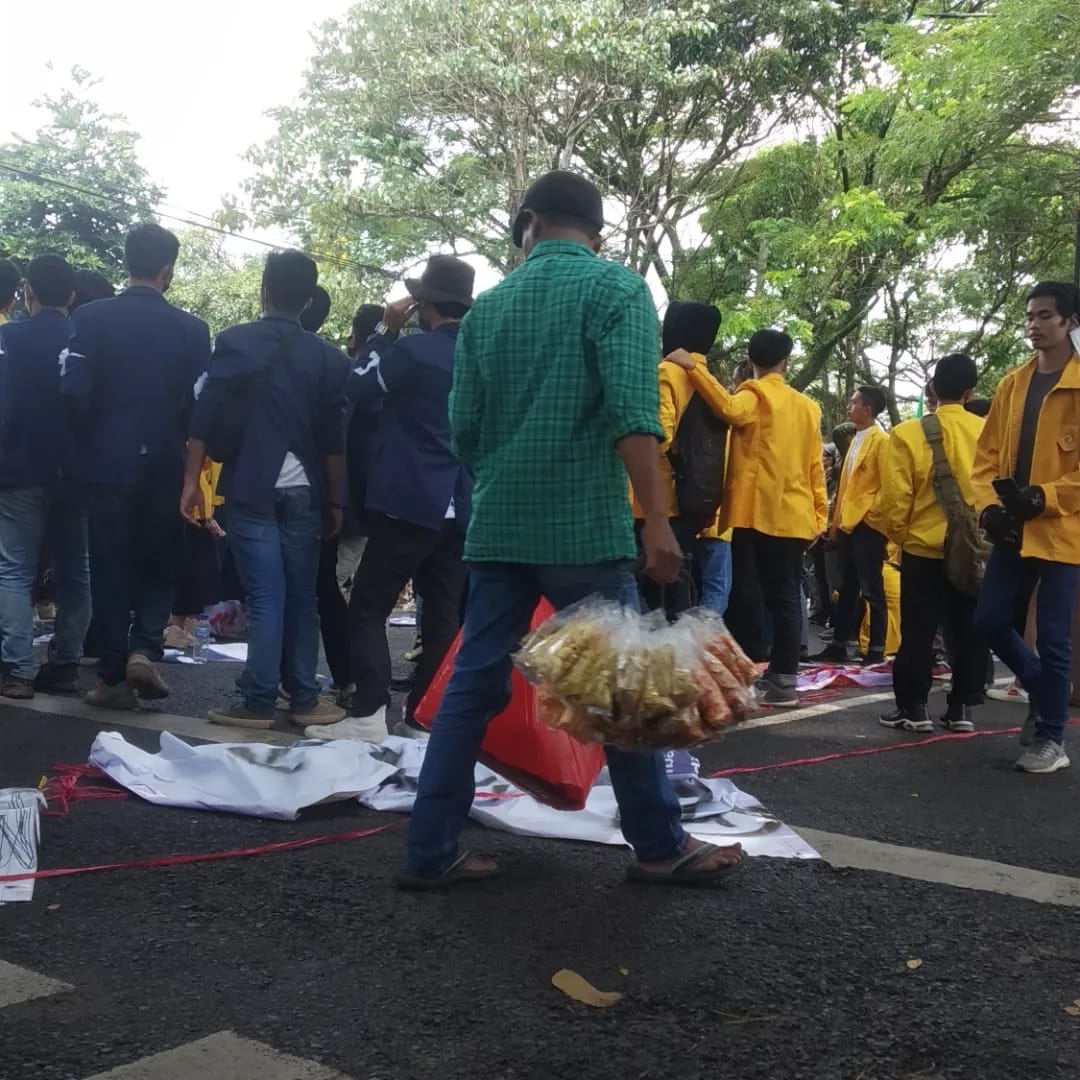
{"points": [[200, 638]]}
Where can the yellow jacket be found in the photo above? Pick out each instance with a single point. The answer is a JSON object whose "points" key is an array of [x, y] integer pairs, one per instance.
{"points": [[676, 390], [1055, 463], [907, 510], [859, 484], [775, 479]]}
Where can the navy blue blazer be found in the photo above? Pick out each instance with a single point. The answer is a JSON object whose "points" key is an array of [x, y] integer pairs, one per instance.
{"points": [[412, 474], [35, 440], [300, 407], [128, 381]]}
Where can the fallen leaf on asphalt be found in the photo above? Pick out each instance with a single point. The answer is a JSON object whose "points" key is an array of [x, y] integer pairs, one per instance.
{"points": [[53, 907], [624, 971], [574, 986], [1074, 1008], [914, 965]]}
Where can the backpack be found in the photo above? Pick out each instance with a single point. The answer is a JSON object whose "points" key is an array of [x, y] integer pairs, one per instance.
{"points": [[698, 457], [966, 546]]}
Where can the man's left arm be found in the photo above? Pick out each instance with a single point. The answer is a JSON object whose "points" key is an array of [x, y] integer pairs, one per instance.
{"points": [[817, 478]]}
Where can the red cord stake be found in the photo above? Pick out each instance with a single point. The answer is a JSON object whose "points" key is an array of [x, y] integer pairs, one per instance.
{"points": [[206, 856]]}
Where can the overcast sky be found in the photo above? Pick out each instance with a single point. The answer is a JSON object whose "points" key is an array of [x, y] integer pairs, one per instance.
{"points": [[195, 79]]}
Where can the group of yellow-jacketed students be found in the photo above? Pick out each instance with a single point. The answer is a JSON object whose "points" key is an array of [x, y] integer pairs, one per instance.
{"points": [[1017, 472]]}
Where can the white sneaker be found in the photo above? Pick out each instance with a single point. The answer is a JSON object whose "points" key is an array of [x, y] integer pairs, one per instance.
{"points": [[1013, 692], [369, 729]]}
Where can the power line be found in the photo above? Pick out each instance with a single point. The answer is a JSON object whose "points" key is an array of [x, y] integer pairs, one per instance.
{"points": [[38, 177]]}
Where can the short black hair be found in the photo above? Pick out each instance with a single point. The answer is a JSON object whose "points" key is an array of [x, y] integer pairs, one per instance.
{"points": [[769, 348], [1065, 294], [954, 376], [52, 280], [10, 280], [91, 285], [314, 315], [289, 280], [149, 249], [875, 397], [450, 309], [367, 317], [980, 406]]}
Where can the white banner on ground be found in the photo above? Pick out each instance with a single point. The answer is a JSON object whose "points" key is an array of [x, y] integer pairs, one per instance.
{"points": [[278, 782]]}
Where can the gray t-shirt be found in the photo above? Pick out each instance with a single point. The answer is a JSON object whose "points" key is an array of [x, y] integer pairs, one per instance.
{"points": [[1042, 382]]}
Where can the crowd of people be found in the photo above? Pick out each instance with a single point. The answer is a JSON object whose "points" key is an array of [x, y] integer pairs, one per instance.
{"points": [[481, 448]]}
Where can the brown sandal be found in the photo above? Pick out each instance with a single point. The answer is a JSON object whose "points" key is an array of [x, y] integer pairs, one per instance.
{"points": [[684, 870]]}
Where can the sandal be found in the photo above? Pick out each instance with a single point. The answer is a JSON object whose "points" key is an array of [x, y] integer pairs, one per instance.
{"points": [[456, 873], [684, 870]]}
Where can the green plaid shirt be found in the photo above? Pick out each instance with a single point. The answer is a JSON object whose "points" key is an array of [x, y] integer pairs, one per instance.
{"points": [[554, 366]]}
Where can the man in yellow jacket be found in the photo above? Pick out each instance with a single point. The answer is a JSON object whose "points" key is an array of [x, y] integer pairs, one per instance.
{"points": [[774, 500], [860, 546], [909, 512], [1031, 448]]}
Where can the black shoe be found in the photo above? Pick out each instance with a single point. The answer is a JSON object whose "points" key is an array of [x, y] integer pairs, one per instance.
{"points": [[57, 679], [16, 688], [831, 654], [873, 657], [405, 682], [777, 697], [959, 718], [917, 719]]}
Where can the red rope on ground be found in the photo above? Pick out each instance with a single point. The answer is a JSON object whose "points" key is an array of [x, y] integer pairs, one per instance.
{"points": [[206, 856], [63, 788], [742, 770]]}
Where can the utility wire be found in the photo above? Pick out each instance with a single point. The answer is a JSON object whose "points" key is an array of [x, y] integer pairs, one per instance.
{"points": [[38, 177]]}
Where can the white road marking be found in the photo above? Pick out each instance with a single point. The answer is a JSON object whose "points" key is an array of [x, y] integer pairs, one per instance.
{"points": [[224, 1056], [20, 984], [941, 868], [825, 708]]}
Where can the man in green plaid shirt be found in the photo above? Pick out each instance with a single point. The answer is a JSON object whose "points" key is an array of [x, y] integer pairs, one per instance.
{"points": [[555, 402]]}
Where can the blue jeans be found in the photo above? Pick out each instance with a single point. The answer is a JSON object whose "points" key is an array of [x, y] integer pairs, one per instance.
{"points": [[714, 558], [501, 600], [1006, 590], [29, 519], [277, 559]]}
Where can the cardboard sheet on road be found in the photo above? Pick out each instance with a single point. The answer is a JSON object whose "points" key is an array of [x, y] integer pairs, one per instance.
{"points": [[278, 782]]}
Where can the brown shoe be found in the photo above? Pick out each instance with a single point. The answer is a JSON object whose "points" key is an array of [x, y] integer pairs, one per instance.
{"points": [[238, 716], [144, 679], [321, 713], [16, 688], [120, 696]]}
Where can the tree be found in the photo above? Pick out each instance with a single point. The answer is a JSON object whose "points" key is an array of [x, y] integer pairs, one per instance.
{"points": [[932, 194], [223, 287], [77, 186], [422, 121]]}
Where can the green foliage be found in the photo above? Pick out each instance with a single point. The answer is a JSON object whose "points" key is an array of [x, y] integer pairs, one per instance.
{"points": [[77, 186]]}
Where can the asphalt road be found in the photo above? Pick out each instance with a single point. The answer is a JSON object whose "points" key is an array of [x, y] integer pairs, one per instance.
{"points": [[792, 971]]}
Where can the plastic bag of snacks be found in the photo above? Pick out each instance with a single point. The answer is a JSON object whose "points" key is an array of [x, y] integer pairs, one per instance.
{"points": [[606, 674]]}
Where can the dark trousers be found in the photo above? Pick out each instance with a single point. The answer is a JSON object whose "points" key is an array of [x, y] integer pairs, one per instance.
{"points": [[821, 594], [197, 577], [396, 553], [767, 576], [683, 594], [1007, 589], [862, 555], [333, 618], [929, 600], [134, 535]]}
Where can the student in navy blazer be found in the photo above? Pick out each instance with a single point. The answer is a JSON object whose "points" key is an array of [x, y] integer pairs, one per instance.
{"points": [[128, 382], [283, 486], [40, 501], [418, 495]]}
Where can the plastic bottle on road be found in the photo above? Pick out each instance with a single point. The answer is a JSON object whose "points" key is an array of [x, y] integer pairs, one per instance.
{"points": [[200, 638]]}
